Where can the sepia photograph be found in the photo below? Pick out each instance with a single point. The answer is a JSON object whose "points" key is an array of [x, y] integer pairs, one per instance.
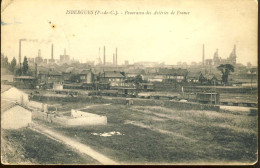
{"points": [[140, 82]]}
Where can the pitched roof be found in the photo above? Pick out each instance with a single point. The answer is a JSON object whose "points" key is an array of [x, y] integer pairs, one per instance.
{"points": [[4, 88], [54, 73], [5, 105], [85, 71], [72, 70], [43, 72], [112, 74]]}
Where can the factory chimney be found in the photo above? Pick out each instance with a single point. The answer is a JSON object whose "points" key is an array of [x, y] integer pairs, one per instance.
{"points": [[203, 55], [104, 56], [20, 51], [20, 43], [39, 53], [116, 57], [52, 51]]}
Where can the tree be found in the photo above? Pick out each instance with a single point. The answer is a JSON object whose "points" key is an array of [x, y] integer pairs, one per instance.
{"points": [[18, 72], [74, 78], [138, 79], [2, 60], [13, 64], [5, 62], [25, 65], [225, 69]]}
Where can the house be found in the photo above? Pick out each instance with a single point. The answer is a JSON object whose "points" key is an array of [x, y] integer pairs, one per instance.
{"points": [[14, 115], [147, 87], [86, 76], [203, 79], [55, 77], [14, 94], [173, 75], [213, 79], [115, 78], [49, 78], [101, 85], [25, 82], [71, 74], [153, 78], [125, 91]]}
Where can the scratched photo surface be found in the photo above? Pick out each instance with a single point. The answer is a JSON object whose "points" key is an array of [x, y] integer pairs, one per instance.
{"points": [[121, 82]]}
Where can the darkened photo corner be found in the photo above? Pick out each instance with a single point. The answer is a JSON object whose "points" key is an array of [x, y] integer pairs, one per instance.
{"points": [[129, 82]]}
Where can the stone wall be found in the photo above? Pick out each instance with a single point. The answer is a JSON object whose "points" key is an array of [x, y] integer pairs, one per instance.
{"points": [[91, 119]]}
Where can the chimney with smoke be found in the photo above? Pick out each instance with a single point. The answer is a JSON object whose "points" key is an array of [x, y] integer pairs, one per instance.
{"points": [[20, 51]]}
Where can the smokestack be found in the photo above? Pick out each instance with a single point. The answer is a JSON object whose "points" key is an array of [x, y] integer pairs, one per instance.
{"points": [[116, 56], [104, 55], [20, 48], [234, 49], [64, 51], [39, 53], [203, 56], [52, 51], [20, 51]]}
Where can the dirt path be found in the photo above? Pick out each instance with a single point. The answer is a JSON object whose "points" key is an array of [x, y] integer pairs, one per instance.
{"points": [[82, 148]]}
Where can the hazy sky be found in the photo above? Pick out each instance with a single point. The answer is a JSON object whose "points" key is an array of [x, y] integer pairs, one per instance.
{"points": [[164, 38]]}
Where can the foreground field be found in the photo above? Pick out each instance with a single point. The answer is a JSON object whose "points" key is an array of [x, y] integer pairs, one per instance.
{"points": [[24, 146], [158, 135]]}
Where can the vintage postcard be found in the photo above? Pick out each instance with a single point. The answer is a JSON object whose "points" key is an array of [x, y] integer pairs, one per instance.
{"points": [[117, 82]]}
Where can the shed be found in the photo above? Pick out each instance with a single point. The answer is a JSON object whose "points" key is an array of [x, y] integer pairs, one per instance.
{"points": [[208, 98], [14, 115], [25, 82]]}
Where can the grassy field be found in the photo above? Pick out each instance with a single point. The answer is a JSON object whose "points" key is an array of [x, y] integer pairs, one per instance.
{"points": [[158, 135], [25, 146]]}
